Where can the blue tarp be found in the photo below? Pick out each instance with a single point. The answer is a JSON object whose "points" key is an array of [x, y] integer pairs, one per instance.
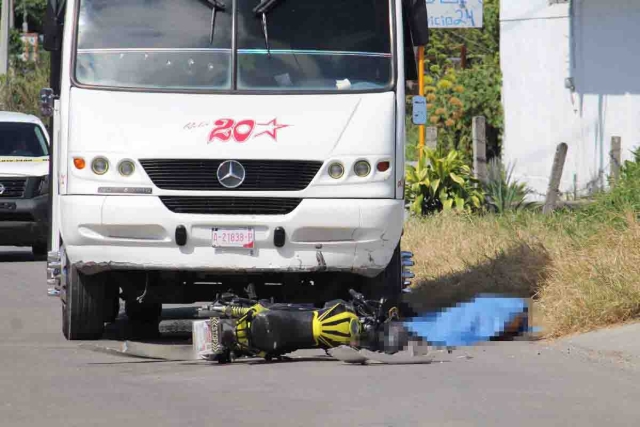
{"points": [[468, 323]]}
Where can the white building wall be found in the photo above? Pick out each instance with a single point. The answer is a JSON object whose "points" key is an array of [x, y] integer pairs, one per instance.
{"points": [[595, 43]]}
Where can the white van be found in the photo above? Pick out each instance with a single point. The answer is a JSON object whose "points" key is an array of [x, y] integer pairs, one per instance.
{"points": [[24, 182]]}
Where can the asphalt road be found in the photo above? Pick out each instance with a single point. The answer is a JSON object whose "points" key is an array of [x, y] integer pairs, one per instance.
{"points": [[46, 381]]}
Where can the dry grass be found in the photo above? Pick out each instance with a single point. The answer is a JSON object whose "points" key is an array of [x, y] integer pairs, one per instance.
{"points": [[582, 274]]}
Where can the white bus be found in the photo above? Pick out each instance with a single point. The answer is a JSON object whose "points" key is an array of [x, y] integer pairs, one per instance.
{"points": [[201, 146]]}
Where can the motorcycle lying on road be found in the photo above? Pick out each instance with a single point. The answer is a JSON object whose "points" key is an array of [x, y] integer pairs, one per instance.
{"points": [[244, 327]]}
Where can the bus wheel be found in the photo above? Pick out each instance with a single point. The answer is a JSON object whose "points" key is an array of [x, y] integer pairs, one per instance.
{"points": [[83, 306]]}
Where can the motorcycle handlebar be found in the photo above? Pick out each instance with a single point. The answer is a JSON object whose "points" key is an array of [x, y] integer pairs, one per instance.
{"points": [[355, 295]]}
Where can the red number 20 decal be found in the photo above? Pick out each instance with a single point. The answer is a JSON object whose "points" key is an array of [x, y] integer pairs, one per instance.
{"points": [[222, 130], [243, 130], [226, 128]]}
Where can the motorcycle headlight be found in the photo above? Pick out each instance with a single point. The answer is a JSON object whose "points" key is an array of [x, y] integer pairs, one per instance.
{"points": [[43, 187]]}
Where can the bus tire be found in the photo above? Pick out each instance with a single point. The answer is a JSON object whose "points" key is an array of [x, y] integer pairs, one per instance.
{"points": [[83, 306]]}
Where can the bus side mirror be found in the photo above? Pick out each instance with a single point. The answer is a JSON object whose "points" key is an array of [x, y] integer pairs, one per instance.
{"points": [[52, 27], [418, 21], [419, 111], [46, 102], [415, 24]]}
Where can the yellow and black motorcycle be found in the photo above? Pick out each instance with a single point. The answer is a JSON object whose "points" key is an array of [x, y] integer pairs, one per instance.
{"points": [[245, 327]]}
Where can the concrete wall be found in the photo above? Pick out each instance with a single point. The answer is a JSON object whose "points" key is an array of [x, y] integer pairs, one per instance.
{"points": [[596, 44]]}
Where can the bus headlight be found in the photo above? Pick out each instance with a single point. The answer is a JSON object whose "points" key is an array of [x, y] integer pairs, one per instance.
{"points": [[100, 165], [336, 170], [126, 168], [362, 168]]}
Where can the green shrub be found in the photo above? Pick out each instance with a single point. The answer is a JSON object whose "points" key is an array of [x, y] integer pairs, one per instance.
{"points": [[20, 88], [503, 193], [455, 95], [624, 196], [442, 182], [482, 97]]}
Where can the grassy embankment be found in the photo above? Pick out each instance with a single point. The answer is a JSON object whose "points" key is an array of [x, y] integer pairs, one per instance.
{"points": [[582, 268]]}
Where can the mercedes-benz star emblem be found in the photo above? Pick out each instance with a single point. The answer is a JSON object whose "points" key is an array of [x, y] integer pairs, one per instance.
{"points": [[231, 174], [2, 189]]}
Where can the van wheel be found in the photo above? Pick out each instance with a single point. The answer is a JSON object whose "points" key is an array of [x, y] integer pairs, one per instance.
{"points": [[83, 305], [387, 284]]}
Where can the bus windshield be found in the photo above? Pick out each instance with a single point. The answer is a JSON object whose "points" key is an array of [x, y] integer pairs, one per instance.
{"points": [[308, 45]]}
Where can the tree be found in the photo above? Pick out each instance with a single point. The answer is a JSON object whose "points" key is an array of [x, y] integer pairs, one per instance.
{"points": [[19, 88], [455, 94], [35, 13]]}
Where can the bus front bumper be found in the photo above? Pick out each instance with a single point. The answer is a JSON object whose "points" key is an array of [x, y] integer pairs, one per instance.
{"points": [[139, 232]]}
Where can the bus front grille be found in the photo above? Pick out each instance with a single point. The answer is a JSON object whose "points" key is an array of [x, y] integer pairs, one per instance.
{"points": [[201, 175], [230, 205]]}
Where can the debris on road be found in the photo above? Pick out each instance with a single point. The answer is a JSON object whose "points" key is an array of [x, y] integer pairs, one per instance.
{"points": [[153, 351], [363, 356]]}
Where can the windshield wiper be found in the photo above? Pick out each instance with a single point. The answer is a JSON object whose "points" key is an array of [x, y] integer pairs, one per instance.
{"points": [[215, 6], [264, 7]]}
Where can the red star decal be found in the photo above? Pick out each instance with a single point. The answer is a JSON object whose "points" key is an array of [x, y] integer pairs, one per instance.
{"points": [[273, 132]]}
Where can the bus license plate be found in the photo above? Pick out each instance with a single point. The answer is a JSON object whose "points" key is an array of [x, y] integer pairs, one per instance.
{"points": [[233, 238]]}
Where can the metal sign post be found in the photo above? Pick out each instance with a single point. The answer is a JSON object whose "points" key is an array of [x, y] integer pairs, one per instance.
{"points": [[421, 92]]}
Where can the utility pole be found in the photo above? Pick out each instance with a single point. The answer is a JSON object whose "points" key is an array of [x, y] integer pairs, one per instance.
{"points": [[25, 24], [421, 128], [6, 17], [4, 37]]}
